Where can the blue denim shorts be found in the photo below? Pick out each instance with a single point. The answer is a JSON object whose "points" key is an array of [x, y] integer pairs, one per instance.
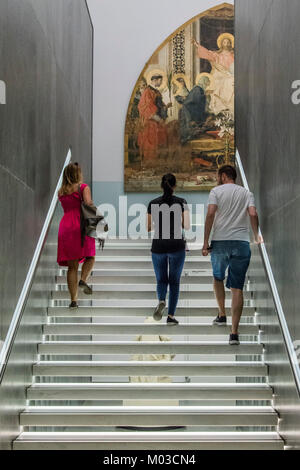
{"points": [[234, 255]]}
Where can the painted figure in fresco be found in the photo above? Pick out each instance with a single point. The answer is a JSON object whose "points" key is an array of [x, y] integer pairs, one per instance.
{"points": [[222, 62], [193, 113], [180, 89], [137, 98], [153, 113], [133, 124]]}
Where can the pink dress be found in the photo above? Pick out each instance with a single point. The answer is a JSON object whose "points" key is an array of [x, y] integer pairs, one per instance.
{"points": [[69, 237]]}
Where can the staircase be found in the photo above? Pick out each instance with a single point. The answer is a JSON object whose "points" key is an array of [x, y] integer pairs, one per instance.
{"points": [[90, 392]]}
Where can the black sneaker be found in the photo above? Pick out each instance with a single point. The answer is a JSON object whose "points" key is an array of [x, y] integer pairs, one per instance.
{"points": [[73, 305], [172, 321], [159, 310], [220, 320], [86, 289], [234, 340]]}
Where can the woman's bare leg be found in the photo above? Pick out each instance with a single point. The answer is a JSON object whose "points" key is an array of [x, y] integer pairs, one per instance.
{"points": [[87, 268], [72, 278]]}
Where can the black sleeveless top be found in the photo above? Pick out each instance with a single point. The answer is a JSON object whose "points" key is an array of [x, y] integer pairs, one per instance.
{"points": [[167, 217]]}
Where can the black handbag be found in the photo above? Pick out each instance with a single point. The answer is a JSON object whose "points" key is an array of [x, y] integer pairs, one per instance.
{"points": [[89, 220]]}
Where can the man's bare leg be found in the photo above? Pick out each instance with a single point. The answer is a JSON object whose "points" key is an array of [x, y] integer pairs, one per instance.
{"points": [[220, 296], [237, 304]]}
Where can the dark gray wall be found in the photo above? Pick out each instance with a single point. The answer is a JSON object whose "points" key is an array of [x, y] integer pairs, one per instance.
{"points": [[268, 139], [46, 58], [18, 372]]}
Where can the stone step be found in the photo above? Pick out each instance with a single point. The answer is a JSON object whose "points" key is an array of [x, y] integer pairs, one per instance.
{"points": [[144, 302], [124, 271], [146, 288], [141, 292], [150, 391], [191, 262], [138, 250], [114, 277], [144, 328], [153, 368], [143, 258], [148, 416], [135, 311], [146, 347], [149, 440]]}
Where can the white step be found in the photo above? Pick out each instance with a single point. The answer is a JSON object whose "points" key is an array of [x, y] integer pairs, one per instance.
{"points": [[150, 287], [149, 347], [147, 287], [132, 311], [137, 293], [148, 440], [139, 244], [124, 286], [121, 391], [144, 328], [143, 245], [111, 301], [123, 241], [201, 260], [125, 244], [138, 279], [142, 256], [125, 271], [142, 368], [138, 250], [148, 416], [118, 241], [141, 270], [191, 262]]}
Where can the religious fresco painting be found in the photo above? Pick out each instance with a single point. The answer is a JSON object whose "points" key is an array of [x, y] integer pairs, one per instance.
{"points": [[180, 117]]}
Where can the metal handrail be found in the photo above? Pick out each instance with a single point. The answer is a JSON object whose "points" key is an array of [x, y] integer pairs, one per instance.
{"points": [[278, 306], [18, 313]]}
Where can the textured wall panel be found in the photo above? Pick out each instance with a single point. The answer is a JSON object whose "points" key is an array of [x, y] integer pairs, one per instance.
{"points": [[268, 139], [46, 62], [46, 55]]}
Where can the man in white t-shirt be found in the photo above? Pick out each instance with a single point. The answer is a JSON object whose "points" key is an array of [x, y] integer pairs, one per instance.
{"points": [[230, 208]]}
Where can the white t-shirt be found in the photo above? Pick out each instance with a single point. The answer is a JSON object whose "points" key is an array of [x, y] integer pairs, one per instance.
{"points": [[231, 219]]}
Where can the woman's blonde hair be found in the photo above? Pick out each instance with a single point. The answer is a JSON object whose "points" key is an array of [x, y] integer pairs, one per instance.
{"points": [[72, 175]]}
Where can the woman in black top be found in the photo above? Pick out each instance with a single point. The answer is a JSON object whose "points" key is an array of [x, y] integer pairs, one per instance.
{"points": [[168, 215]]}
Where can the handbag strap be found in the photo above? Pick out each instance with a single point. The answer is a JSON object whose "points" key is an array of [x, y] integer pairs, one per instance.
{"points": [[80, 193]]}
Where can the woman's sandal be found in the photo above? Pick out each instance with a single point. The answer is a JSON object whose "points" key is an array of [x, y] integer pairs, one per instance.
{"points": [[86, 289], [73, 305]]}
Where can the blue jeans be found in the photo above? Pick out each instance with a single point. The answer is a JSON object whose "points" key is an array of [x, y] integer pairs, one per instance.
{"points": [[168, 268], [234, 255]]}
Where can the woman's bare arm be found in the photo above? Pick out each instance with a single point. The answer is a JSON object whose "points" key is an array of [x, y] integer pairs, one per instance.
{"points": [[149, 223], [87, 197], [186, 221]]}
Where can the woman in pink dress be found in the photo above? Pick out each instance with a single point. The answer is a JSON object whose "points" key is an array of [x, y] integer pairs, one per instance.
{"points": [[70, 250]]}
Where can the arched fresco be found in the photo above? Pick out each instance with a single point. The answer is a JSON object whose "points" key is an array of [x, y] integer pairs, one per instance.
{"points": [[181, 113]]}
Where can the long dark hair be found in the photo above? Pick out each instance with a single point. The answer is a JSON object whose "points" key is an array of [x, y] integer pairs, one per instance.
{"points": [[168, 182]]}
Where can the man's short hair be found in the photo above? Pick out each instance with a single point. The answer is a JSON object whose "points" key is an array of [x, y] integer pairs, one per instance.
{"points": [[156, 77], [229, 171]]}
